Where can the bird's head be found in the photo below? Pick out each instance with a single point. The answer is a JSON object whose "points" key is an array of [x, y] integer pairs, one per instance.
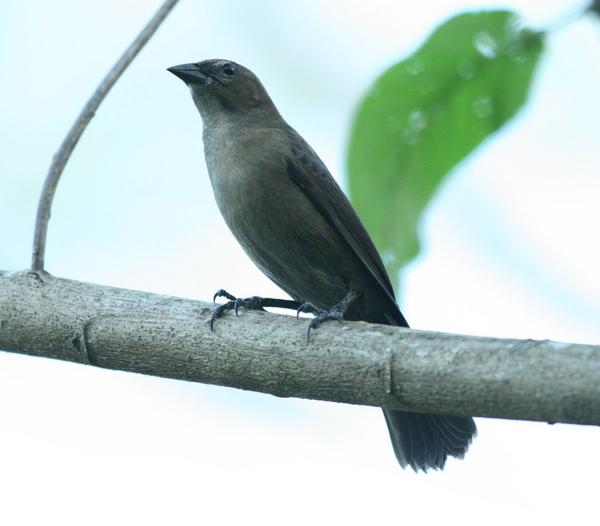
{"points": [[221, 88]]}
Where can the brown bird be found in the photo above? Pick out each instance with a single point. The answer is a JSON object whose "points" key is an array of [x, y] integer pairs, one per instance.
{"points": [[296, 224]]}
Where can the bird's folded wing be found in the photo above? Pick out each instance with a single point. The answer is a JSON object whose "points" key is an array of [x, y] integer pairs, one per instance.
{"points": [[310, 174]]}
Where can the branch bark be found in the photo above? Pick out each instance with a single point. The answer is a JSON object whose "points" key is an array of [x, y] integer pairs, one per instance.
{"points": [[356, 363], [61, 157]]}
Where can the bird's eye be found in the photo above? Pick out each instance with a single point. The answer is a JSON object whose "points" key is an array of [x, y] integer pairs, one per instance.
{"points": [[229, 70]]}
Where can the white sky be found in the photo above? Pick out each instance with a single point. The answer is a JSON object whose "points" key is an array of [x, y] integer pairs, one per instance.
{"points": [[510, 250]]}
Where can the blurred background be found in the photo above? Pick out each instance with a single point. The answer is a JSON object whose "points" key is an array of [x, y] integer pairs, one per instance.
{"points": [[509, 249]]}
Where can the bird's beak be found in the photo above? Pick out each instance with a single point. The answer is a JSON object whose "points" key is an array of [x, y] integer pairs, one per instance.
{"points": [[189, 73]]}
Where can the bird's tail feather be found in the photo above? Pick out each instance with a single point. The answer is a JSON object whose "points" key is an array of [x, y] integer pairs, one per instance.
{"points": [[425, 441]]}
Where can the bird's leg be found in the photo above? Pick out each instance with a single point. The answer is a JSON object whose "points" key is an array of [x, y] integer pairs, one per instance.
{"points": [[337, 312], [252, 303]]}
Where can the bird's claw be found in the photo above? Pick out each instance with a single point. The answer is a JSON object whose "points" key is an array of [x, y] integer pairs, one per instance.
{"points": [[222, 293], [219, 311], [234, 304], [323, 316], [307, 307]]}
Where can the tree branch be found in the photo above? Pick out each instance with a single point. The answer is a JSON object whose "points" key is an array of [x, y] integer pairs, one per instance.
{"points": [[357, 363], [63, 154]]}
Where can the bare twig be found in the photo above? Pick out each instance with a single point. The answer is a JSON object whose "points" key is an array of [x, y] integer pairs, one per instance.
{"points": [[61, 157], [355, 362]]}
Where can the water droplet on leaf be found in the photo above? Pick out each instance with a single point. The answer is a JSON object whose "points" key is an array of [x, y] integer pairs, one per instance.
{"points": [[486, 45], [414, 67], [388, 256], [409, 136], [417, 120], [483, 106]]}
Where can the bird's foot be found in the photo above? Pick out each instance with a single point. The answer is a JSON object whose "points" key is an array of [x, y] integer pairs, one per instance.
{"points": [[234, 304], [331, 314], [308, 307], [337, 312], [251, 303]]}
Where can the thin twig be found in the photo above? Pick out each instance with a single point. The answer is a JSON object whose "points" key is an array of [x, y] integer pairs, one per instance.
{"points": [[575, 14], [63, 154]]}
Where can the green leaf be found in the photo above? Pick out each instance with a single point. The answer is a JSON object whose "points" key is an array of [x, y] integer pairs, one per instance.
{"points": [[426, 113]]}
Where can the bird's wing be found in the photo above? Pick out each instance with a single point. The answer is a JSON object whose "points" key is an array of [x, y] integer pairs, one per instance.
{"points": [[310, 174]]}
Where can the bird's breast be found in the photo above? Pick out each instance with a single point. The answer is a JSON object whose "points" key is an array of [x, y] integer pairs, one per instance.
{"points": [[276, 224]]}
